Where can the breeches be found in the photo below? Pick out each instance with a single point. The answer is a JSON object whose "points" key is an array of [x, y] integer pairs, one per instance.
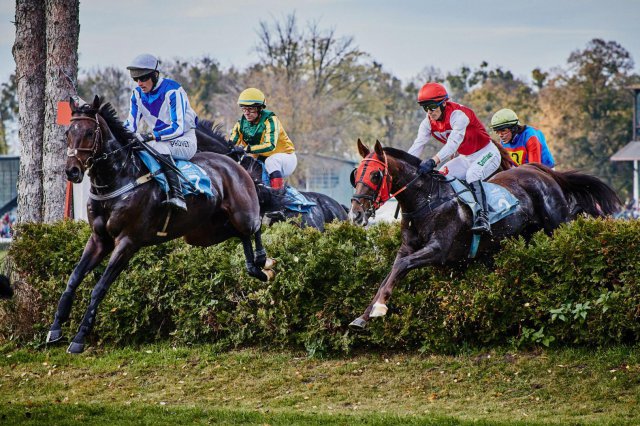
{"points": [[285, 163], [181, 148], [474, 167]]}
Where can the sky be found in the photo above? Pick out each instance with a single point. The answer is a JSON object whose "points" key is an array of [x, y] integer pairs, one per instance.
{"points": [[405, 36]]}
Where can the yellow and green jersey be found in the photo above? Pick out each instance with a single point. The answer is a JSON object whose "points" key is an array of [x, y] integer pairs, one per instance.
{"points": [[266, 137]]}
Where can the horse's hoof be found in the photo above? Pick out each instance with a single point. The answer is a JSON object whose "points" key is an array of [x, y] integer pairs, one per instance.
{"points": [[271, 274], [379, 310], [358, 324], [269, 264], [75, 348], [54, 336]]}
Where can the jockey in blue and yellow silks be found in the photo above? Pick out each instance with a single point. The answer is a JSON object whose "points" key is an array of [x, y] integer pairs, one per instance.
{"points": [[261, 134], [525, 144]]}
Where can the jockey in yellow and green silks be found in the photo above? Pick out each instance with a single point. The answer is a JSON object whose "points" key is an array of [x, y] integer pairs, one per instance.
{"points": [[260, 134]]}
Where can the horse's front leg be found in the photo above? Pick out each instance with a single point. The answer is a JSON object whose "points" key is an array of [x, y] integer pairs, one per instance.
{"points": [[402, 265], [94, 252], [261, 259], [123, 252]]}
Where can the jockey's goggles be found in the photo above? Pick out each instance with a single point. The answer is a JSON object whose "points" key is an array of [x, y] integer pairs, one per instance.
{"points": [[143, 78], [432, 106], [250, 108]]}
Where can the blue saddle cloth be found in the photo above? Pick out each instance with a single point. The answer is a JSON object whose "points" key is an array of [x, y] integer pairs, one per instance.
{"points": [[500, 201], [294, 199], [191, 171]]}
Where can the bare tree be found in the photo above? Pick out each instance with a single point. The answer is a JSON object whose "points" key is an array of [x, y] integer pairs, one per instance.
{"points": [[63, 28], [29, 52]]}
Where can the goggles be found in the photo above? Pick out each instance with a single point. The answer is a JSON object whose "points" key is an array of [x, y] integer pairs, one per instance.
{"points": [[432, 106], [143, 78]]}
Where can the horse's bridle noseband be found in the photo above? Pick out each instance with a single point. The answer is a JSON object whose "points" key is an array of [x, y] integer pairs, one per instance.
{"points": [[95, 146]]}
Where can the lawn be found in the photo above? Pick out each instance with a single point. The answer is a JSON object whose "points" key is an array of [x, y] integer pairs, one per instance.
{"points": [[161, 384]]}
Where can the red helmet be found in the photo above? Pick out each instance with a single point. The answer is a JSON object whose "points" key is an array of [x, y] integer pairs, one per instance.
{"points": [[432, 93]]}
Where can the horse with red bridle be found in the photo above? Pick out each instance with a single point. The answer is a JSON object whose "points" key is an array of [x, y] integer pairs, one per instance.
{"points": [[436, 223]]}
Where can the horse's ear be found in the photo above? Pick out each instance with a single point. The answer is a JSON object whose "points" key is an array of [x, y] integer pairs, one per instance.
{"points": [[378, 148], [96, 102], [73, 104], [362, 149]]}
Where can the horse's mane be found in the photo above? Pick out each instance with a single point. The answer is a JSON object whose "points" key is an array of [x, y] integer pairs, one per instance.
{"points": [[108, 112], [213, 139], [402, 155]]}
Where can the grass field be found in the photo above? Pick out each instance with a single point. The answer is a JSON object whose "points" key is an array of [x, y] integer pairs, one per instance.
{"points": [[161, 384]]}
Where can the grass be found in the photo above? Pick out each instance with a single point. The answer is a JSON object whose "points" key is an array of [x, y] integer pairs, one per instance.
{"points": [[161, 384]]}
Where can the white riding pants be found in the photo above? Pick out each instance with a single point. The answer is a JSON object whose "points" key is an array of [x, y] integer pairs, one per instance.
{"points": [[285, 163], [181, 148], [474, 167]]}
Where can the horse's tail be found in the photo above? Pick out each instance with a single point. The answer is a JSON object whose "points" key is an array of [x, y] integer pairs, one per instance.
{"points": [[506, 162], [590, 194]]}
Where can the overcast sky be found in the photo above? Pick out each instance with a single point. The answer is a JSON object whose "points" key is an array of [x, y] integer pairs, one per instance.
{"points": [[404, 35]]}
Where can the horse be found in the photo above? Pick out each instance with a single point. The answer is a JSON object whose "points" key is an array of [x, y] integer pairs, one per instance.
{"points": [[6, 292], [325, 210], [125, 212], [436, 224]]}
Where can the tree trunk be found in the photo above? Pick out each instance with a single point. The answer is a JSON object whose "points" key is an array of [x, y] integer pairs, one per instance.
{"points": [[63, 28], [30, 55]]}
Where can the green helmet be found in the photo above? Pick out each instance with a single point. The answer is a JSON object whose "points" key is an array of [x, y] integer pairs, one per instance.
{"points": [[504, 119]]}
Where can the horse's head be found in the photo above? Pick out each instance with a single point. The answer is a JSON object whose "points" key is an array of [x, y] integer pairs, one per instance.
{"points": [[372, 182], [84, 138]]}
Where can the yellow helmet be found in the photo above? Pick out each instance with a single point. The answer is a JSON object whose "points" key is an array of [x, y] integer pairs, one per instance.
{"points": [[252, 97]]}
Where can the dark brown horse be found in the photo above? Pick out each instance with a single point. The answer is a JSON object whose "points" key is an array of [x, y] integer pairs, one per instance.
{"points": [[326, 209], [125, 212], [436, 225]]}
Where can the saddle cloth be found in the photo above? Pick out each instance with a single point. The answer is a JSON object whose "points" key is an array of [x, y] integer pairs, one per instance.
{"points": [[191, 171], [501, 203], [294, 199]]}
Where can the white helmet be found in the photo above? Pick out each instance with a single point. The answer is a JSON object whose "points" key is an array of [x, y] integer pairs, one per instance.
{"points": [[143, 65]]}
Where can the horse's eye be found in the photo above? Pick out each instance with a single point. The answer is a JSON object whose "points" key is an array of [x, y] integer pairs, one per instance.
{"points": [[352, 177], [376, 177]]}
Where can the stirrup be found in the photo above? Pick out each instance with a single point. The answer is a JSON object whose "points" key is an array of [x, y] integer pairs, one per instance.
{"points": [[481, 225], [176, 203]]}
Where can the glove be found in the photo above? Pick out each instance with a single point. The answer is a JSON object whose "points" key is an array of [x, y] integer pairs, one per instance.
{"points": [[145, 137], [427, 166], [237, 151]]}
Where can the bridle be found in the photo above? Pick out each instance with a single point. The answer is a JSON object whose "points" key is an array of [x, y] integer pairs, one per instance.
{"points": [[382, 189], [95, 146]]}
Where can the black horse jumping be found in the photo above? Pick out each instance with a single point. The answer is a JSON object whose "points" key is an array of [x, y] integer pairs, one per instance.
{"points": [[125, 212], [436, 225], [326, 209]]}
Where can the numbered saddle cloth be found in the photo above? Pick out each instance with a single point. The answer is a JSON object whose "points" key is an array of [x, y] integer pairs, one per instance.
{"points": [[501, 202], [191, 171]]}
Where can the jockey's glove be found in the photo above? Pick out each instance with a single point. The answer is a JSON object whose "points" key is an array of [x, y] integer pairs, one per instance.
{"points": [[145, 137], [427, 166], [237, 150]]}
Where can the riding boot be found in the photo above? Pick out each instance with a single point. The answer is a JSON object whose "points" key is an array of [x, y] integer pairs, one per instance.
{"points": [[277, 190], [481, 223], [176, 198]]}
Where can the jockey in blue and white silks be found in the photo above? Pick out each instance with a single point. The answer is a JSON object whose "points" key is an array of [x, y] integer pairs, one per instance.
{"points": [[163, 105]]}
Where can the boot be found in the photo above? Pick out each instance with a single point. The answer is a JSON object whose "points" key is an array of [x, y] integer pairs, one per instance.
{"points": [[481, 224], [277, 182], [277, 190], [176, 198]]}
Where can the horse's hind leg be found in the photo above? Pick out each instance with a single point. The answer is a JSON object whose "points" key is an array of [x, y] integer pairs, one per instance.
{"points": [[261, 259], [252, 268], [94, 252], [120, 257]]}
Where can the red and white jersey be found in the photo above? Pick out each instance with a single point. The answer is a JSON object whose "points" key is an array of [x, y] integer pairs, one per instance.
{"points": [[460, 131]]}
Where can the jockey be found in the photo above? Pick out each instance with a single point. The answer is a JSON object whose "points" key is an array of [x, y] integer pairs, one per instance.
{"points": [[525, 144], [458, 128], [164, 106], [260, 133]]}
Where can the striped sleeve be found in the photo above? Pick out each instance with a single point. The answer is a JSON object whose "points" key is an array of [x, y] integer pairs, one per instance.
{"points": [[134, 114], [236, 136], [269, 137]]}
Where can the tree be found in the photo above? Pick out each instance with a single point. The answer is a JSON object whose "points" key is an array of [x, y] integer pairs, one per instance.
{"points": [[587, 109], [63, 27], [29, 52]]}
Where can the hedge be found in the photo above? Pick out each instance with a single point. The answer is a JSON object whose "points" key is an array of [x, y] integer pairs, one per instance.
{"points": [[580, 286]]}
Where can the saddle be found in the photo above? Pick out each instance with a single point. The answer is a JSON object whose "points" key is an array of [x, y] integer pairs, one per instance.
{"points": [[200, 182]]}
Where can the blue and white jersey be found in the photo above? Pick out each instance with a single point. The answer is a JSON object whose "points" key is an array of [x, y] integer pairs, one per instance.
{"points": [[165, 109]]}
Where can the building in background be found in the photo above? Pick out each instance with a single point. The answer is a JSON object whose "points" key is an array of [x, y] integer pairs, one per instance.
{"points": [[9, 167], [326, 175]]}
